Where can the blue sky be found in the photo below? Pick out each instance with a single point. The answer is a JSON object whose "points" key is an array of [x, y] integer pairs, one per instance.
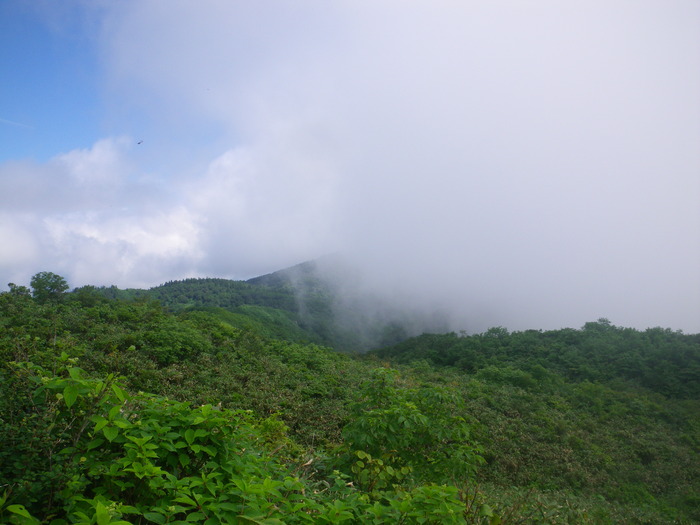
{"points": [[532, 165], [50, 92]]}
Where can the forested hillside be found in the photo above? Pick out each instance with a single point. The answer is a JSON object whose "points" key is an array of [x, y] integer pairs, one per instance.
{"points": [[657, 359], [119, 410], [314, 301]]}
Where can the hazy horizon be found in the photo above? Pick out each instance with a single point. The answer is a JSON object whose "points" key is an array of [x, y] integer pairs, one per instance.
{"points": [[526, 165]]}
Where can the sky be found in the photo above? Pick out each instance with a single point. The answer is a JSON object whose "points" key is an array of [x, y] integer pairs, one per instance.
{"points": [[526, 164]]}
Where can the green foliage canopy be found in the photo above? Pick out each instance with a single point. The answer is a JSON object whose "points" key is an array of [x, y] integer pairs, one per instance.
{"points": [[101, 402], [48, 286]]}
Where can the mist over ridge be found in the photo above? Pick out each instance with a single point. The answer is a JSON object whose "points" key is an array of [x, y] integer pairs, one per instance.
{"points": [[365, 301]]}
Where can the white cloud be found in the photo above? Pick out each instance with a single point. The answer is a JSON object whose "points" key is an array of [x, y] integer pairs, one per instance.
{"points": [[128, 250], [261, 208], [86, 214], [535, 163], [19, 247], [103, 165]]}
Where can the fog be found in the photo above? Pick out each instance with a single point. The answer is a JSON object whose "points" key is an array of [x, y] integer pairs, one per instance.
{"points": [[522, 164]]}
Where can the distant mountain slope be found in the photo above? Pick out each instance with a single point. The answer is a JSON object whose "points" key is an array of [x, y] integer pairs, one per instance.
{"points": [[305, 274], [657, 359], [223, 293], [294, 303], [318, 301], [340, 309]]}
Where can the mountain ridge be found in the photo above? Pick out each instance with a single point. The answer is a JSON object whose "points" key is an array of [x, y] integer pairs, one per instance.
{"points": [[323, 297]]}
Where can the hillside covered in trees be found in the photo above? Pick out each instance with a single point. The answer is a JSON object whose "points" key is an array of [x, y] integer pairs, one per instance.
{"points": [[314, 301], [217, 403]]}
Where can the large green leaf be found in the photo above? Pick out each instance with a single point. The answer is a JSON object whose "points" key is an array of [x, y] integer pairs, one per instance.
{"points": [[70, 395]]}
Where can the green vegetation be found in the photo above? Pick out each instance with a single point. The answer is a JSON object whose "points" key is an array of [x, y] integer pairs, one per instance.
{"points": [[115, 409], [47, 286], [656, 359], [270, 304], [302, 304]]}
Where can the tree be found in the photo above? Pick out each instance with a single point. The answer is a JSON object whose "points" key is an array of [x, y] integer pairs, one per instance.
{"points": [[48, 287], [18, 291]]}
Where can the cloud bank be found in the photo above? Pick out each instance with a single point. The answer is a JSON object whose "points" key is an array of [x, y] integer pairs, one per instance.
{"points": [[522, 164]]}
